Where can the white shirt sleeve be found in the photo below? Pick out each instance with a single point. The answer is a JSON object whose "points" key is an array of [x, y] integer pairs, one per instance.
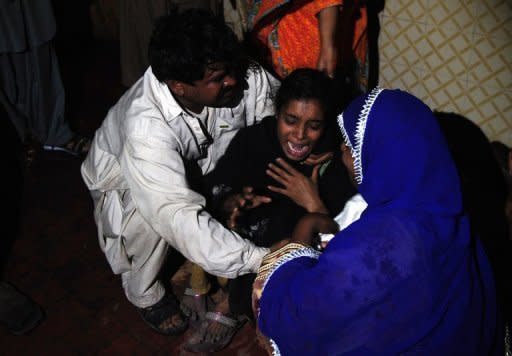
{"points": [[155, 172]]}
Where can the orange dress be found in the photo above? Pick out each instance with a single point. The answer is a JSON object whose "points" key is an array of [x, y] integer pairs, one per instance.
{"points": [[287, 33]]}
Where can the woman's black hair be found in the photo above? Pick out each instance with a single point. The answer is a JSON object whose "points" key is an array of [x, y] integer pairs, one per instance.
{"points": [[183, 45], [306, 84]]}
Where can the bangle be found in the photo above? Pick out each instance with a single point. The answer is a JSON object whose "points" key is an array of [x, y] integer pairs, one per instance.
{"points": [[270, 259]]}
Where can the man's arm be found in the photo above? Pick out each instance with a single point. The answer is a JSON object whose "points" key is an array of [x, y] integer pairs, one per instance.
{"points": [[155, 173]]}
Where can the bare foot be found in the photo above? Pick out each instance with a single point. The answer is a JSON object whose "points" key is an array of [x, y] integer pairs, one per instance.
{"points": [[216, 330]]}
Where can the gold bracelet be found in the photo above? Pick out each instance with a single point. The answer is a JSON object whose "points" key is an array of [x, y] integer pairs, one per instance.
{"points": [[270, 259]]}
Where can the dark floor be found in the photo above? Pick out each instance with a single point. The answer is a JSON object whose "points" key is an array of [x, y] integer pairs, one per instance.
{"points": [[56, 258]]}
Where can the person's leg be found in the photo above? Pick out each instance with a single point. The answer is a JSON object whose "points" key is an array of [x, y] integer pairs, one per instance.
{"points": [[199, 281], [138, 253], [13, 91], [32, 92], [195, 301], [240, 295], [223, 282], [157, 306], [48, 125], [141, 285], [36, 94], [229, 315]]}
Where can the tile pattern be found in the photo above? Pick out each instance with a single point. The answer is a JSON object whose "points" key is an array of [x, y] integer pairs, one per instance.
{"points": [[455, 55]]}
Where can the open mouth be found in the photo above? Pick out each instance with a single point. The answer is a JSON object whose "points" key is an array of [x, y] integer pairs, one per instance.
{"points": [[297, 150]]}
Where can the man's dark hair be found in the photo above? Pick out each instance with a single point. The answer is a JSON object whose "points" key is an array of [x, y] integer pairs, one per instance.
{"points": [[183, 44]]}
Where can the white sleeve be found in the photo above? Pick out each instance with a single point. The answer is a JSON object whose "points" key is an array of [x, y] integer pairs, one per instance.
{"points": [[351, 212], [156, 176]]}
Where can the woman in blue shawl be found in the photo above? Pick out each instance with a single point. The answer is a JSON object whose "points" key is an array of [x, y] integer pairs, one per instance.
{"points": [[407, 277]]}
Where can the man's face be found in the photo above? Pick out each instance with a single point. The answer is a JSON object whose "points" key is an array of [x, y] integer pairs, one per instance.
{"points": [[219, 87]]}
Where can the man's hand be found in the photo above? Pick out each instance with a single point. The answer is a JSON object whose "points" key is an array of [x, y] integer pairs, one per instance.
{"points": [[251, 200], [234, 205], [301, 189]]}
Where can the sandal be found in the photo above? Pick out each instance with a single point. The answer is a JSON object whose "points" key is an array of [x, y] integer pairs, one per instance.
{"points": [[205, 341], [194, 306], [166, 309], [77, 146]]}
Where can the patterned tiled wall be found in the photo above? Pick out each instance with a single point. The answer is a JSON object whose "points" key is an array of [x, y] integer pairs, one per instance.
{"points": [[456, 55]]}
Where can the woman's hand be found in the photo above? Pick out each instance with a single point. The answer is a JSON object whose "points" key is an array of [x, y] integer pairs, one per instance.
{"points": [[327, 26], [327, 60], [314, 159], [310, 225], [299, 188]]}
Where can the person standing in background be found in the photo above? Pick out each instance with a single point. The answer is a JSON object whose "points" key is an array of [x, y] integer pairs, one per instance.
{"points": [[31, 88], [328, 35], [136, 20]]}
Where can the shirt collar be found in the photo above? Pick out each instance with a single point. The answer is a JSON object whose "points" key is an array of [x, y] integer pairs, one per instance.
{"points": [[168, 104]]}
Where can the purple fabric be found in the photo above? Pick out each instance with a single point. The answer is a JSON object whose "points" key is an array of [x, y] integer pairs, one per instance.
{"points": [[406, 277]]}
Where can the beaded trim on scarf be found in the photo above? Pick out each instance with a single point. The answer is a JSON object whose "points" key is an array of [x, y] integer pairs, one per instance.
{"points": [[302, 252], [275, 348], [344, 133], [357, 148]]}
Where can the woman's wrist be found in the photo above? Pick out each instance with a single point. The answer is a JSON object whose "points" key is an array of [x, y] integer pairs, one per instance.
{"points": [[317, 206]]}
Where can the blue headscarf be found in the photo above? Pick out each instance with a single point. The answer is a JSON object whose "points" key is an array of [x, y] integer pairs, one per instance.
{"points": [[406, 277]]}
